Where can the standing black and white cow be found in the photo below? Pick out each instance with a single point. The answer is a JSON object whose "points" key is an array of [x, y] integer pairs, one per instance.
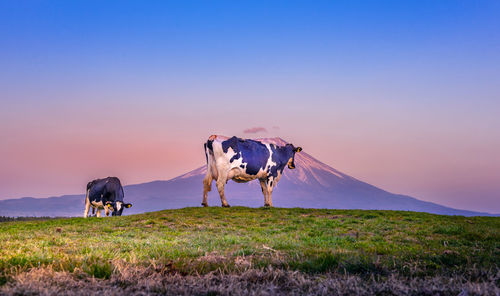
{"points": [[243, 160], [105, 194]]}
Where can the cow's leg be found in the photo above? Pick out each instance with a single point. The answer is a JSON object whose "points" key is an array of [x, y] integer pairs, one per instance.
{"points": [[93, 211], [98, 213], [106, 211], [87, 206], [263, 186], [207, 186], [269, 194], [270, 184], [221, 182]]}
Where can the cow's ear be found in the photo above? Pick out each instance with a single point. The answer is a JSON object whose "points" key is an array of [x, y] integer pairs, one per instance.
{"points": [[128, 205], [298, 149]]}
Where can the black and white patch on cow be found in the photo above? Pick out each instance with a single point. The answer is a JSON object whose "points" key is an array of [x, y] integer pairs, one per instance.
{"points": [[105, 194], [243, 160]]}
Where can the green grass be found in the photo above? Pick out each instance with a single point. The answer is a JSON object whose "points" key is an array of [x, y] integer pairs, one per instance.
{"points": [[200, 240]]}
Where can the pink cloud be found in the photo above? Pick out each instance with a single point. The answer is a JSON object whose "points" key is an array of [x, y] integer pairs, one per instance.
{"points": [[254, 130]]}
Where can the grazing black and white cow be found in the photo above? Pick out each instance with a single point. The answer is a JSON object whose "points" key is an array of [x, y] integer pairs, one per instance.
{"points": [[105, 194], [244, 160]]}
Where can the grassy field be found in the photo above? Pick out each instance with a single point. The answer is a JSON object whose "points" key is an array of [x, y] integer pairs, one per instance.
{"points": [[253, 251]]}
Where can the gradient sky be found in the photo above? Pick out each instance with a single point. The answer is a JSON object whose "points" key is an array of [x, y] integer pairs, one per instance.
{"points": [[404, 95]]}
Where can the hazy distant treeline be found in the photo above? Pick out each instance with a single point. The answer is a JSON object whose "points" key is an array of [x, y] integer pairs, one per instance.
{"points": [[7, 219]]}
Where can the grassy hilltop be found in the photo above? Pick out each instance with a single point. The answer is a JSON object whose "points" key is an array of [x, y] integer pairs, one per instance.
{"points": [[253, 250]]}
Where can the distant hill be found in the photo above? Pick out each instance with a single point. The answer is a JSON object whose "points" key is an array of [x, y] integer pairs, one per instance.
{"points": [[312, 184]]}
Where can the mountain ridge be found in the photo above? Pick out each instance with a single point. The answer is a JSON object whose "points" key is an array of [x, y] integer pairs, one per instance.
{"points": [[312, 184]]}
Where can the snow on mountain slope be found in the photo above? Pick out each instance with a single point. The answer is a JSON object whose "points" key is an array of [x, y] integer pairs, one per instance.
{"points": [[308, 169]]}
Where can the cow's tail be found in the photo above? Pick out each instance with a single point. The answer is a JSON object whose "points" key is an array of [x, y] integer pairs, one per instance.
{"points": [[87, 192], [211, 168], [87, 203], [209, 154]]}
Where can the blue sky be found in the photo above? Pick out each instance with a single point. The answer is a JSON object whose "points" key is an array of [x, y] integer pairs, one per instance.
{"points": [[401, 94]]}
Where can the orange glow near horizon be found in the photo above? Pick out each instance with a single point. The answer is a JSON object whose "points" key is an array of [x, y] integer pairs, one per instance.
{"points": [[424, 164]]}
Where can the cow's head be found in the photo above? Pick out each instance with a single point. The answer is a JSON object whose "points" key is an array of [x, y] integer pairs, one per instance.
{"points": [[292, 150], [116, 207]]}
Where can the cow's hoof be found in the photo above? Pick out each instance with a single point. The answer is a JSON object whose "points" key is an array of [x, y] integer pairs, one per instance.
{"points": [[266, 205], [226, 206], [204, 204]]}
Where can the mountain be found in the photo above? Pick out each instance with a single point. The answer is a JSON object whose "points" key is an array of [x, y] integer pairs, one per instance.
{"points": [[312, 184]]}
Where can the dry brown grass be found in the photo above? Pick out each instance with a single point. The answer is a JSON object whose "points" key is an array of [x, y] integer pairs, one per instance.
{"points": [[130, 280]]}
